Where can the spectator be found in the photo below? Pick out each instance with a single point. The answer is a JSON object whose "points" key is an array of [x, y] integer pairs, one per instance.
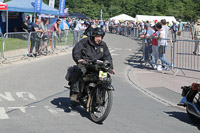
{"points": [[148, 46], [76, 33], [174, 29], [196, 36], [45, 37], [36, 36], [155, 22], [155, 53], [180, 28], [28, 20], [162, 45], [166, 29], [57, 32], [168, 24], [107, 26], [83, 27], [28, 23], [102, 24]]}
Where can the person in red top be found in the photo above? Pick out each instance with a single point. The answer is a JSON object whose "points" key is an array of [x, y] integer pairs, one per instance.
{"points": [[155, 53]]}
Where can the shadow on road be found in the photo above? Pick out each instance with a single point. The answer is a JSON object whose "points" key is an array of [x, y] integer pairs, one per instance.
{"points": [[64, 103], [182, 117]]}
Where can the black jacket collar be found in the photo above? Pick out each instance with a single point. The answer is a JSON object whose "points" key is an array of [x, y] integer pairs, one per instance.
{"points": [[93, 44]]}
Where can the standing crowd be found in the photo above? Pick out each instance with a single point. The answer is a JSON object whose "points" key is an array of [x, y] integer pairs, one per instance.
{"points": [[155, 34]]}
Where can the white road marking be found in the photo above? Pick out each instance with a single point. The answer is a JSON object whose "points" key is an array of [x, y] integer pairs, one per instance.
{"points": [[111, 51], [114, 54], [22, 109], [129, 49], [3, 114], [23, 94], [55, 112], [7, 96], [118, 48]]}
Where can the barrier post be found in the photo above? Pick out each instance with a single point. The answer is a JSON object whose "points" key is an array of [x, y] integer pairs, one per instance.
{"points": [[2, 46], [2, 41], [53, 41], [29, 43], [67, 39]]}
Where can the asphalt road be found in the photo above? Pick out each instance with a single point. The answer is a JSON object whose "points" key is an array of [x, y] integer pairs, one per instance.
{"points": [[33, 99]]}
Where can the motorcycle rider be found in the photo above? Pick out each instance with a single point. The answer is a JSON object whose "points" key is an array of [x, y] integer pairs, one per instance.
{"points": [[94, 49], [89, 28]]}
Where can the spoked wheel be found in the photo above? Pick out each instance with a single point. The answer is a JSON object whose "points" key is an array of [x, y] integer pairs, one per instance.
{"points": [[194, 98], [101, 104]]}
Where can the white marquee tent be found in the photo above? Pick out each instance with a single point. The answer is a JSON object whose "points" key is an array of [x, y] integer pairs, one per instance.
{"points": [[122, 17], [152, 18]]}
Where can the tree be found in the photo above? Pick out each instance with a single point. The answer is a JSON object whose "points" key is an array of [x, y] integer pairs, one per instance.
{"points": [[187, 10]]}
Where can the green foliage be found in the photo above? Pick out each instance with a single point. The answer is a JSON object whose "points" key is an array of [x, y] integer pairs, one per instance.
{"points": [[187, 10]]}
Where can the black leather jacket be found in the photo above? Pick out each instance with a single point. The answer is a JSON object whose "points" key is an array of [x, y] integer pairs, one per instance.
{"points": [[93, 51]]}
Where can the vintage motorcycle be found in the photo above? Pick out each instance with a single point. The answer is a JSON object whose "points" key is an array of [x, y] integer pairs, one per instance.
{"points": [[191, 100], [95, 90]]}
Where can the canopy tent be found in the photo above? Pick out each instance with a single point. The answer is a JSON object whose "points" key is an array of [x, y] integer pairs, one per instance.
{"points": [[78, 15], [28, 6], [122, 17], [16, 8], [152, 18], [4, 7]]}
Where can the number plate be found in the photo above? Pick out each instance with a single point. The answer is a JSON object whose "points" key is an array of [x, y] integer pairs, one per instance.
{"points": [[103, 74]]}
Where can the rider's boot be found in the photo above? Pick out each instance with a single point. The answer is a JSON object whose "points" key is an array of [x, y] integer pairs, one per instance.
{"points": [[75, 92]]}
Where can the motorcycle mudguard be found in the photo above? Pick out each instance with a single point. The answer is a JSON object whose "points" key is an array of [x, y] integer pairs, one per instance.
{"points": [[109, 86], [191, 108], [183, 102]]}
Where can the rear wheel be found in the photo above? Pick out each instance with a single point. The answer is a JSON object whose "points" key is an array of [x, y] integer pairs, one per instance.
{"points": [[194, 98], [101, 104]]}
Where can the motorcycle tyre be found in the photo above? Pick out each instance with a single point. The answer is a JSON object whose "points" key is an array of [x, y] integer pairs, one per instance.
{"points": [[107, 111], [190, 96]]}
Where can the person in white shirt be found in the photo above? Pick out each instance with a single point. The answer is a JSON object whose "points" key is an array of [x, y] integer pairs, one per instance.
{"points": [[162, 44], [77, 33]]}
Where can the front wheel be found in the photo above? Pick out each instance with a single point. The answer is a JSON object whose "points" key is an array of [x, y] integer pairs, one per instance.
{"points": [[101, 104]]}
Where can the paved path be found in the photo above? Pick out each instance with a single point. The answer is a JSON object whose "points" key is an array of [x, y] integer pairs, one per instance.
{"points": [[33, 99]]}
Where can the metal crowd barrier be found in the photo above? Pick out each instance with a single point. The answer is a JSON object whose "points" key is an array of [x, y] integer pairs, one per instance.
{"points": [[14, 44], [132, 32], [24, 44], [183, 56], [76, 36], [148, 52], [62, 41], [179, 53], [1, 49]]}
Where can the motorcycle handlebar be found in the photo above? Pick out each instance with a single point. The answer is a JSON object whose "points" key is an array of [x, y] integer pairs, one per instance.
{"points": [[98, 64]]}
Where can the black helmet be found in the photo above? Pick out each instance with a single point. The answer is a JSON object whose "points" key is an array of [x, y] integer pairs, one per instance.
{"points": [[97, 32], [87, 23]]}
